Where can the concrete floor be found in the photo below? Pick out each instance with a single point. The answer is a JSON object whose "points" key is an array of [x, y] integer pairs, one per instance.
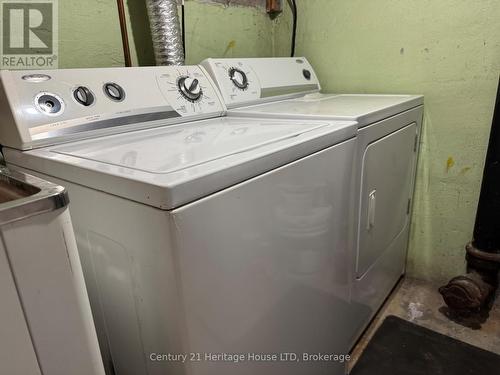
{"points": [[419, 302]]}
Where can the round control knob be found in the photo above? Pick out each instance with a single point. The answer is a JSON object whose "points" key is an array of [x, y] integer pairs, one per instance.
{"points": [[83, 96], [114, 91], [49, 104], [190, 88], [239, 78]]}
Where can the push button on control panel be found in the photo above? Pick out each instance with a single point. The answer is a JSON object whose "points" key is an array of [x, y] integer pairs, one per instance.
{"points": [[83, 96], [307, 74], [114, 91], [36, 78]]}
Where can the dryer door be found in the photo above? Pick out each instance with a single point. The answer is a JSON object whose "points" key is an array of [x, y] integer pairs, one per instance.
{"points": [[387, 176]]}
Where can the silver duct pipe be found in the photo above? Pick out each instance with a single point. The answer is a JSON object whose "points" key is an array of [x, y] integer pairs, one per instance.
{"points": [[166, 32]]}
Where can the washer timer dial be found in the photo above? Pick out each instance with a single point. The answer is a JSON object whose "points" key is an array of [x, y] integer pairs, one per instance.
{"points": [[190, 88]]}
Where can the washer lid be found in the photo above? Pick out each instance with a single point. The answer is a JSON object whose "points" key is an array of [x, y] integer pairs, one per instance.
{"points": [[177, 148], [174, 165], [364, 109]]}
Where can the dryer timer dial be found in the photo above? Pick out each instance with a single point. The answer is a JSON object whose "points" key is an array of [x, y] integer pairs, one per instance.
{"points": [[239, 78]]}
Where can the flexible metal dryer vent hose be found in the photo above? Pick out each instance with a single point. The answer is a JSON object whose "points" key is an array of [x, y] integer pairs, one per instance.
{"points": [[165, 32]]}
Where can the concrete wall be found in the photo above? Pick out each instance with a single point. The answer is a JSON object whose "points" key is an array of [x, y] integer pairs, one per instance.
{"points": [[90, 36], [448, 50]]}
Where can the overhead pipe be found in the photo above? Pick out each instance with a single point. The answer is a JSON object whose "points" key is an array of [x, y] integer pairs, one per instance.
{"points": [[475, 289], [165, 32], [274, 8], [124, 33]]}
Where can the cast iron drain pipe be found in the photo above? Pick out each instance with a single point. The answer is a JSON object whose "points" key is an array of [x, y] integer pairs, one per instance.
{"points": [[473, 290]]}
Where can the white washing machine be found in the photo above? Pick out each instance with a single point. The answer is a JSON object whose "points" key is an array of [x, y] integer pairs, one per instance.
{"points": [[201, 236], [388, 137]]}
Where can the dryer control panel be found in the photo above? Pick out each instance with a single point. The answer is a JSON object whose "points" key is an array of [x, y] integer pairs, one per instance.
{"points": [[39, 108], [256, 80]]}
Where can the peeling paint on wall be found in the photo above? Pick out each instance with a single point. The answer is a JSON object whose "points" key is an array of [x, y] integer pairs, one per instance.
{"points": [[230, 46], [449, 164], [464, 171]]}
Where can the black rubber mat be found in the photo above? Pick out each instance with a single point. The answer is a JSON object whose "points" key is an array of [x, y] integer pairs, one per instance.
{"points": [[403, 348]]}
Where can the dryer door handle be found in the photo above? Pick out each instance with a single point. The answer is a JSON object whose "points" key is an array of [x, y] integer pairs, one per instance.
{"points": [[372, 200]]}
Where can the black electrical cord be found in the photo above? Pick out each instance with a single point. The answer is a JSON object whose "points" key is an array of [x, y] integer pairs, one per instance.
{"points": [[294, 27], [183, 20]]}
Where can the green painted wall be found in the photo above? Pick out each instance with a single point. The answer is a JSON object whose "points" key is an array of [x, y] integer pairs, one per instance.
{"points": [[89, 32], [448, 50], [219, 31]]}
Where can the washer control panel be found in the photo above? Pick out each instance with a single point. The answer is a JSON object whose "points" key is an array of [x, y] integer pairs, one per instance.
{"points": [[189, 89], [46, 107], [255, 80]]}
